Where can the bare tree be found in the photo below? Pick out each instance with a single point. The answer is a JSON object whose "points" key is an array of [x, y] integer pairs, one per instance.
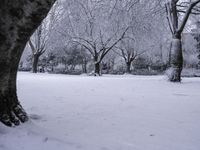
{"points": [[98, 54], [38, 48], [128, 52], [40, 40], [94, 27], [142, 16], [177, 23], [18, 21]]}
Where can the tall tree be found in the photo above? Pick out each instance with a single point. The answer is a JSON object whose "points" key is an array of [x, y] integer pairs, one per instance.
{"points": [[93, 25], [18, 21], [98, 53], [40, 40], [177, 24]]}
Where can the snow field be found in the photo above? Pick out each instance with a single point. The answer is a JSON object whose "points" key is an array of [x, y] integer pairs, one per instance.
{"points": [[105, 113]]}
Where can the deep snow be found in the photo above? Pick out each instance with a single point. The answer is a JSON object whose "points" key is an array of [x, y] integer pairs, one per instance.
{"points": [[106, 113]]}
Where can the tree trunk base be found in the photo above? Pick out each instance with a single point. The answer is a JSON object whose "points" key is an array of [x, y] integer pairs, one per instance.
{"points": [[11, 112], [174, 74], [97, 74]]}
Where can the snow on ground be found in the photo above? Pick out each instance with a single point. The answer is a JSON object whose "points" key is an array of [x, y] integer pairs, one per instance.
{"points": [[105, 113]]}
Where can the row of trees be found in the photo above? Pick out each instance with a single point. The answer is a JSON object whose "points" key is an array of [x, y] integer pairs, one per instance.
{"points": [[75, 59], [131, 29], [100, 28]]}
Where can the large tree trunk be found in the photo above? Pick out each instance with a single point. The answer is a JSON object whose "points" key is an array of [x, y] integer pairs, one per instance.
{"points": [[176, 59], [128, 67], [18, 20], [10, 108], [97, 69], [35, 63], [84, 66]]}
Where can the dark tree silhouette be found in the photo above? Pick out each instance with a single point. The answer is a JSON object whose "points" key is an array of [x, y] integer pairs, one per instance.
{"points": [[18, 20]]}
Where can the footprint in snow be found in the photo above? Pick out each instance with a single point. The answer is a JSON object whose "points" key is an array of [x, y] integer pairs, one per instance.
{"points": [[179, 94], [35, 116]]}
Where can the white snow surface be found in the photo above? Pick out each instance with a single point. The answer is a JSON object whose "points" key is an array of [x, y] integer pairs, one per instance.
{"points": [[105, 113]]}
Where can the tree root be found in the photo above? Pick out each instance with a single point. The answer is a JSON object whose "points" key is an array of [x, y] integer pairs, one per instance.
{"points": [[13, 116]]}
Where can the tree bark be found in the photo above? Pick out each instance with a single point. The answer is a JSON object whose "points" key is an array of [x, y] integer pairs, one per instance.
{"points": [[84, 66], [128, 67], [97, 68], [35, 63], [10, 109], [176, 60], [18, 20]]}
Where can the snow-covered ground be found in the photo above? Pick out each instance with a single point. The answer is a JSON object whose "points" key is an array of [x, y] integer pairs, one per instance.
{"points": [[105, 113]]}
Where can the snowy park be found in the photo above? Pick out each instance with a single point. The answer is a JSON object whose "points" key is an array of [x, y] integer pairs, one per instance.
{"points": [[99, 74], [122, 112]]}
